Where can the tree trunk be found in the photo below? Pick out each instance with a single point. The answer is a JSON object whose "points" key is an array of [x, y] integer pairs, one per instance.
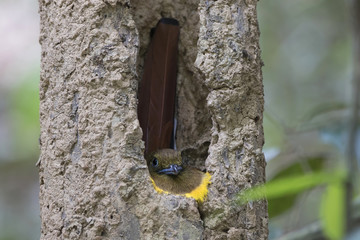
{"points": [[94, 183]]}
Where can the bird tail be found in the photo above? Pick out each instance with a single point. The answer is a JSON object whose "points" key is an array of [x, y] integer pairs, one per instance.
{"points": [[157, 89]]}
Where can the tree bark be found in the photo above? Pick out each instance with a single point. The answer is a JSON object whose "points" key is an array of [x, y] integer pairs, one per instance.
{"points": [[229, 57], [94, 183]]}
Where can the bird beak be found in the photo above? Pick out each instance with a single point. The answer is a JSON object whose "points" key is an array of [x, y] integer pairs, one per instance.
{"points": [[174, 169]]}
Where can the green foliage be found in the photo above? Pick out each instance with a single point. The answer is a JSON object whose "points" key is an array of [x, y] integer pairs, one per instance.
{"points": [[25, 101], [25, 117], [333, 205], [306, 48], [333, 210], [279, 205]]}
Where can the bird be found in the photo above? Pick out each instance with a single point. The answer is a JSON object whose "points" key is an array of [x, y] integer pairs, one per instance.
{"points": [[156, 109], [169, 176]]}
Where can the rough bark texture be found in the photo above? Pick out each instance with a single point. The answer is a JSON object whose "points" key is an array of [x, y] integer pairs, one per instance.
{"points": [[229, 57], [94, 183]]}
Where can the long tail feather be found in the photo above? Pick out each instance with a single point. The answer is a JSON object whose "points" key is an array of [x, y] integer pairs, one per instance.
{"points": [[158, 87]]}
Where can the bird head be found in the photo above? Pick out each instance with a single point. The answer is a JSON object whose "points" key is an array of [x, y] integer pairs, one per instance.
{"points": [[165, 161], [169, 176]]}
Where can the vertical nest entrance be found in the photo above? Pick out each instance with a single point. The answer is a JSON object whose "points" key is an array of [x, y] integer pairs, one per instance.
{"points": [[193, 118]]}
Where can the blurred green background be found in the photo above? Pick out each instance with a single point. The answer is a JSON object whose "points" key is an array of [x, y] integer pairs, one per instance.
{"points": [[307, 51], [19, 119]]}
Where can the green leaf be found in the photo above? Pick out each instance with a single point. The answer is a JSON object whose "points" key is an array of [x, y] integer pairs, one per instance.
{"points": [[279, 205], [290, 185], [333, 211]]}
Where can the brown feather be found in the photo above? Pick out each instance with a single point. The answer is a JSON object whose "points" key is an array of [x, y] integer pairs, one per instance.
{"points": [[158, 87]]}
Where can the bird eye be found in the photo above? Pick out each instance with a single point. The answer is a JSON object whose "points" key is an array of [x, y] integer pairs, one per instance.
{"points": [[155, 162]]}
